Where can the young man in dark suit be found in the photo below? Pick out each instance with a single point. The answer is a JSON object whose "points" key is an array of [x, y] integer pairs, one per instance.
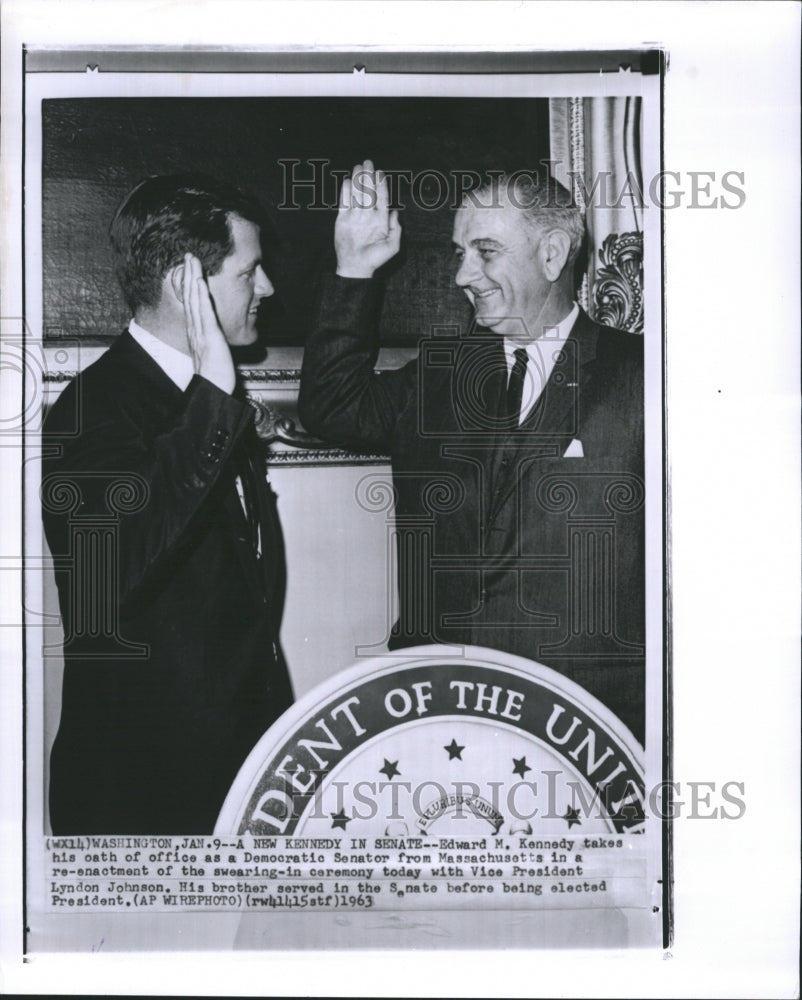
{"points": [[517, 451], [163, 530]]}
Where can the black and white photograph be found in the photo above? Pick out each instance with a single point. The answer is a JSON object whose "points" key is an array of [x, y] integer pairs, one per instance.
{"points": [[384, 408], [348, 546]]}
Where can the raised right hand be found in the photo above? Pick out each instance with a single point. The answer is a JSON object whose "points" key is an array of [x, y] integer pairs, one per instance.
{"points": [[208, 348], [367, 234]]}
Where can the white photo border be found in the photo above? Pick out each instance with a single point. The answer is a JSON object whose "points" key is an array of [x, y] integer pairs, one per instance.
{"points": [[736, 935]]}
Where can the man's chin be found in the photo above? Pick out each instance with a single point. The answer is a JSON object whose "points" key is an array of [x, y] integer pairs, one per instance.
{"points": [[243, 338], [512, 329], [489, 322]]}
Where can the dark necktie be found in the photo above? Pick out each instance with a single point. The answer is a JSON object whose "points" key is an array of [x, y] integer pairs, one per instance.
{"points": [[515, 387]]}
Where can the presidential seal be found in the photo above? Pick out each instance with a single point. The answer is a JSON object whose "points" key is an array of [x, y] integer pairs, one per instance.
{"points": [[440, 743]]}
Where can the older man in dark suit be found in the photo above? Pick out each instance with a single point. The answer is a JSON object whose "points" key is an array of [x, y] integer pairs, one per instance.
{"points": [[164, 531], [517, 451]]}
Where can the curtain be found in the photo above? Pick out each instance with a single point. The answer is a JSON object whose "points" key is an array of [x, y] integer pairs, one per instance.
{"points": [[595, 152]]}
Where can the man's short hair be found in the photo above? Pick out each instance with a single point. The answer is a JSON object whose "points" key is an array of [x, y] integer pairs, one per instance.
{"points": [[164, 218], [544, 202]]}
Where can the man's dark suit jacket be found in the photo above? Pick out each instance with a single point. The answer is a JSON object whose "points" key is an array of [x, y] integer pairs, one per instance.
{"points": [[502, 541], [172, 662]]}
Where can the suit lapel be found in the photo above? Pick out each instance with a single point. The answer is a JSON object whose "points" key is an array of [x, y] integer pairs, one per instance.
{"points": [[250, 469], [165, 394], [481, 387], [555, 419], [272, 561], [267, 572], [150, 377]]}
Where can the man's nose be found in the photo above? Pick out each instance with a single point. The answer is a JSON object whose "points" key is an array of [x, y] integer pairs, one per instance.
{"points": [[469, 270], [263, 286]]}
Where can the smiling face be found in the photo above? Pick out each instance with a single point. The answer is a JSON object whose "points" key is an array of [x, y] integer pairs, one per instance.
{"points": [[499, 269], [240, 285]]}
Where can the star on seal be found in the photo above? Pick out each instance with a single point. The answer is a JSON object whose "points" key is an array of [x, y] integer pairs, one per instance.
{"points": [[390, 769], [521, 767], [572, 815], [338, 820]]}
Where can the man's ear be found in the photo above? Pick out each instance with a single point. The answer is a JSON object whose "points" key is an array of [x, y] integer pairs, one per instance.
{"points": [[175, 278], [554, 249]]}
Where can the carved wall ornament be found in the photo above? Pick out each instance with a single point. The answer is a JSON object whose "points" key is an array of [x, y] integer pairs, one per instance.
{"points": [[288, 444], [618, 284], [273, 426]]}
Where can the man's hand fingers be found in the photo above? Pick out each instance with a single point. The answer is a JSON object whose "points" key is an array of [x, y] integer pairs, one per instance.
{"points": [[382, 193], [363, 185], [195, 331], [206, 341], [366, 233], [187, 286], [206, 317], [194, 305], [185, 282], [394, 230], [345, 194], [358, 183]]}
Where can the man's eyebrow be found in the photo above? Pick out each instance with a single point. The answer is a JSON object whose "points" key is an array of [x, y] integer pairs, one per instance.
{"points": [[249, 267], [478, 241]]}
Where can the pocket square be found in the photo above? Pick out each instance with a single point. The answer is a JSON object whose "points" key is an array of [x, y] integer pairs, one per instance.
{"points": [[574, 450]]}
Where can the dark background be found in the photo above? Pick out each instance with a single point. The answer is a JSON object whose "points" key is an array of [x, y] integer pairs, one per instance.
{"points": [[96, 150]]}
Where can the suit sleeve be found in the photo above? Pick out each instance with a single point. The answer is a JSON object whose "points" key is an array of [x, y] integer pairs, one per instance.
{"points": [[342, 399], [152, 489]]}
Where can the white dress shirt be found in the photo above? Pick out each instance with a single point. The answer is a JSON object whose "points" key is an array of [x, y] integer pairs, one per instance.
{"points": [[176, 365], [542, 357]]}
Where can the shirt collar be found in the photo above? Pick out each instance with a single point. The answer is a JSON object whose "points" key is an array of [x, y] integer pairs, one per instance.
{"points": [[553, 337], [176, 365], [543, 354]]}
